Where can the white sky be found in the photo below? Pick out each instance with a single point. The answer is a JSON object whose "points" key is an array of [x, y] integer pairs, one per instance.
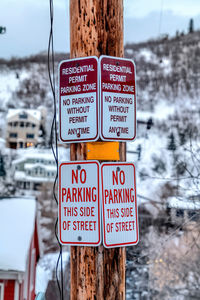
{"points": [[27, 22], [141, 8]]}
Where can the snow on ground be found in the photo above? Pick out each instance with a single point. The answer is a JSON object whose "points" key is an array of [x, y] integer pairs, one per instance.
{"points": [[63, 154], [162, 111], [8, 84], [46, 269], [147, 54]]}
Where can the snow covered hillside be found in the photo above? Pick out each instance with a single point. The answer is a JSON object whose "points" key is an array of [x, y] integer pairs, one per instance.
{"points": [[166, 151]]}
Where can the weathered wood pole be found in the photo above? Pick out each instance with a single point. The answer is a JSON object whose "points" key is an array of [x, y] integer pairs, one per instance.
{"points": [[96, 28]]}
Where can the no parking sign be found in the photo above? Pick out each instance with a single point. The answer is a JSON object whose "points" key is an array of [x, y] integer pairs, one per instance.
{"points": [[120, 216]]}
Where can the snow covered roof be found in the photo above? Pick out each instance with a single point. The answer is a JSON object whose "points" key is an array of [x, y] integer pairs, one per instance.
{"points": [[51, 168], [32, 112], [34, 153], [179, 203], [17, 221], [21, 176]]}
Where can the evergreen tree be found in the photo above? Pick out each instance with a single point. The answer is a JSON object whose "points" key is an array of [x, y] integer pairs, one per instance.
{"points": [[191, 26], [2, 168], [171, 145]]}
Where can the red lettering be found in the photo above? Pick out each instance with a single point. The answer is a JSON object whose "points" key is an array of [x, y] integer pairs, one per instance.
{"points": [[83, 176], [74, 176], [64, 192]]}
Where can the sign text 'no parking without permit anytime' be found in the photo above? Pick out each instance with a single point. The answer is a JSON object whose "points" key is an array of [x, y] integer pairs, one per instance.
{"points": [[117, 99], [79, 216], [120, 217], [78, 100]]}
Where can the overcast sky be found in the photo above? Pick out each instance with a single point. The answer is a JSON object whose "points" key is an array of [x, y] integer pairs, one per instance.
{"points": [[27, 22]]}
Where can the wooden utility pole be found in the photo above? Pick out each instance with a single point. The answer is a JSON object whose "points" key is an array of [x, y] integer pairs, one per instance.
{"points": [[96, 28]]}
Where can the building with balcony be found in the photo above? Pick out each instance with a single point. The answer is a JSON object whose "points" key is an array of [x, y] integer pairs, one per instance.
{"points": [[24, 127], [33, 168]]}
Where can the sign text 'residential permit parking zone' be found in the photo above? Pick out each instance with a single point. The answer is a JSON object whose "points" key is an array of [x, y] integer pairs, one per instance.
{"points": [[79, 216], [78, 100], [117, 99], [120, 216]]}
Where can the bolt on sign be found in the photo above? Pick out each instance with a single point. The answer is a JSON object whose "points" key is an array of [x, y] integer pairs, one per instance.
{"points": [[117, 99], [120, 216], [79, 218], [78, 100]]}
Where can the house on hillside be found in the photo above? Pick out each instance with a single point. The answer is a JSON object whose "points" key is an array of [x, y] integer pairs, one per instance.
{"points": [[19, 248], [183, 210], [24, 127], [33, 168]]}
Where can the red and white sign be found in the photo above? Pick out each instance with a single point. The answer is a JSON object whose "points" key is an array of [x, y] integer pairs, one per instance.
{"points": [[78, 100], [79, 217], [118, 99], [120, 216]]}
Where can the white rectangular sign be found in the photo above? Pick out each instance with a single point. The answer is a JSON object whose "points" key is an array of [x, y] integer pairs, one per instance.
{"points": [[117, 99], [78, 100], [79, 215], [120, 216]]}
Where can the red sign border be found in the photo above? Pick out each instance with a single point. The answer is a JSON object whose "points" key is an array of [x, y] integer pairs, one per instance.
{"points": [[101, 101], [99, 204], [97, 102], [103, 214]]}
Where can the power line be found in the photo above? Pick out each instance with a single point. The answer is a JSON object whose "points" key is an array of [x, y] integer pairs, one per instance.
{"points": [[53, 136]]}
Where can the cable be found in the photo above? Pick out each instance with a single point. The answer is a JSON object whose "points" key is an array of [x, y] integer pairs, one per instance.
{"points": [[53, 137]]}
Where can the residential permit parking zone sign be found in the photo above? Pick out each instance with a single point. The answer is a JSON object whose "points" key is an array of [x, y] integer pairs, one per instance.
{"points": [[117, 99], [78, 100], [120, 215], [79, 216]]}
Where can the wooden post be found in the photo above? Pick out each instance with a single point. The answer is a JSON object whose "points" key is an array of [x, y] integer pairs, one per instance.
{"points": [[96, 28]]}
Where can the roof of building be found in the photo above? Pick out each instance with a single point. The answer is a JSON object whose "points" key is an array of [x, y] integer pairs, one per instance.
{"points": [[34, 153], [17, 223], [21, 176], [47, 168], [35, 113], [180, 203]]}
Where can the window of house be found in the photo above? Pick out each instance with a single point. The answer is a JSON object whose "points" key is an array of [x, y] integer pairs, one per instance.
{"points": [[33, 125], [13, 135], [23, 115], [15, 124], [27, 124], [180, 213], [30, 136], [192, 215], [1, 291], [48, 174], [21, 124]]}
